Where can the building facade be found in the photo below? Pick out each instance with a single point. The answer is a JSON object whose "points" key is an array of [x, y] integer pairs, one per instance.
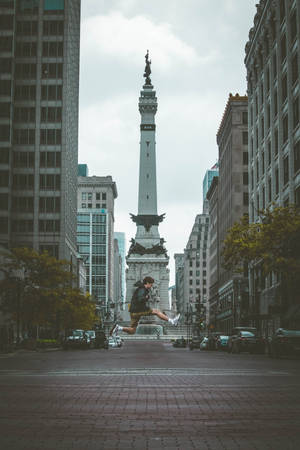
{"points": [[232, 140], [196, 276], [39, 72], [179, 282], [121, 238], [95, 238], [272, 62]]}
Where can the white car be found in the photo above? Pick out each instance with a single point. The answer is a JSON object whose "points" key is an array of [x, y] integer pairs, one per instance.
{"points": [[204, 344], [112, 342]]}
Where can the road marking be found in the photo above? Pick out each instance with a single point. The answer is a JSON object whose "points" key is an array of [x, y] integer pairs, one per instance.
{"points": [[144, 372]]}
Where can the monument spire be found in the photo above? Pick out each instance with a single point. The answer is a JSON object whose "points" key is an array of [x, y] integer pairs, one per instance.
{"points": [[147, 255]]}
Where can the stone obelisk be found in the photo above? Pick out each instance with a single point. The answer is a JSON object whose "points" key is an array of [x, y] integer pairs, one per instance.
{"points": [[147, 255]]}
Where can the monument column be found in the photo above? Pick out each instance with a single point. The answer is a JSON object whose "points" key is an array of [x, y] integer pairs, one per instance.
{"points": [[147, 255]]}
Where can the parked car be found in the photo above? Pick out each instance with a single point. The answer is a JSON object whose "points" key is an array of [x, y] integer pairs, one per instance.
{"points": [[222, 342], [77, 339], [112, 342], [180, 342], [245, 341], [204, 343], [91, 335], [234, 334], [195, 342], [284, 343]]}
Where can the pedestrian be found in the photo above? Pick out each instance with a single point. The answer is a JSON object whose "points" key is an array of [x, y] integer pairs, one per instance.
{"points": [[139, 307]]}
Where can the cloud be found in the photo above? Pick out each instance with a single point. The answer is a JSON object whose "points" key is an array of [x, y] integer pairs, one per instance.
{"points": [[126, 39]]}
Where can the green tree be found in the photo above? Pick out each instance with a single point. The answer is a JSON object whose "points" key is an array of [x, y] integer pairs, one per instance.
{"points": [[273, 244], [34, 288]]}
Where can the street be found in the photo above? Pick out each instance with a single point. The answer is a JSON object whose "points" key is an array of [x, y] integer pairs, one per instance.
{"points": [[148, 395]]}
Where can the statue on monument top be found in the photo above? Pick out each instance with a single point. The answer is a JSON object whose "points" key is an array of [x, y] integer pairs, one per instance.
{"points": [[147, 70]]}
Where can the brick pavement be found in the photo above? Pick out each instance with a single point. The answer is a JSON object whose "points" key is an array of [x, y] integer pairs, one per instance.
{"points": [[183, 408]]}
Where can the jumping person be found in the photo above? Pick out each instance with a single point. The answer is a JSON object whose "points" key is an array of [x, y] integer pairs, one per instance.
{"points": [[139, 308]]}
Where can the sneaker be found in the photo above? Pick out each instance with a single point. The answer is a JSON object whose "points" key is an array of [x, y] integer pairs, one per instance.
{"points": [[114, 330], [176, 320]]}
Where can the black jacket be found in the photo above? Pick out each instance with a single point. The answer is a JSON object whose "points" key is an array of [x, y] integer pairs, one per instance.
{"points": [[139, 301]]}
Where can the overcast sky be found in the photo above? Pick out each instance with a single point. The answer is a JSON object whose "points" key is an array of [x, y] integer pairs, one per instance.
{"points": [[197, 53]]}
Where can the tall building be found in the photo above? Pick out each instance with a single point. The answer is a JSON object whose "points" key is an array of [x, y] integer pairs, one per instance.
{"points": [[232, 140], [39, 72], [122, 250], [95, 237], [117, 293], [208, 178], [196, 276], [83, 170], [214, 261], [272, 61], [179, 281], [147, 255]]}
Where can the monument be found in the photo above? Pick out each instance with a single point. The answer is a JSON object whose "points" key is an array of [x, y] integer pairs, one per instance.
{"points": [[147, 255]]}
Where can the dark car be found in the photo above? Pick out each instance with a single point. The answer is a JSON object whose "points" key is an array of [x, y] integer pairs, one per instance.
{"points": [[77, 339], [222, 342], [234, 333], [195, 342], [245, 341], [284, 343], [180, 343]]}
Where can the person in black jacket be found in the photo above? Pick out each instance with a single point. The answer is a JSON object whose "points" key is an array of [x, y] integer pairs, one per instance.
{"points": [[139, 307]]}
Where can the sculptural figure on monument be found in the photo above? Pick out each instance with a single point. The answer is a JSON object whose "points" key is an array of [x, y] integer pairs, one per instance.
{"points": [[147, 69]]}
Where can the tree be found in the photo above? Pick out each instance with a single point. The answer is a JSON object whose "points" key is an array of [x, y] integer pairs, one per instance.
{"points": [[273, 243], [35, 287]]}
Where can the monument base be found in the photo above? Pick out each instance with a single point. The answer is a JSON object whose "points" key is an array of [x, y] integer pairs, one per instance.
{"points": [[149, 329]]}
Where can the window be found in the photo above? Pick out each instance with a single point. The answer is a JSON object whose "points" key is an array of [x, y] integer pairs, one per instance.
{"points": [[295, 71], [4, 178], [24, 136], [245, 118], [49, 226], [285, 170], [50, 159], [50, 136], [276, 141], [4, 155], [25, 71], [276, 180], [269, 190], [5, 64], [296, 112], [51, 114], [245, 178], [6, 22], [245, 158], [285, 128], [245, 137], [25, 49], [284, 88], [24, 114], [53, 27], [283, 48], [275, 100], [245, 199], [24, 92], [52, 70], [5, 87], [49, 204], [26, 28], [83, 205], [22, 204], [90, 205], [22, 226], [51, 92], [4, 132], [97, 195], [3, 202], [90, 195], [83, 196], [23, 181], [297, 156], [50, 182], [53, 49], [103, 195], [293, 27], [23, 159]]}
